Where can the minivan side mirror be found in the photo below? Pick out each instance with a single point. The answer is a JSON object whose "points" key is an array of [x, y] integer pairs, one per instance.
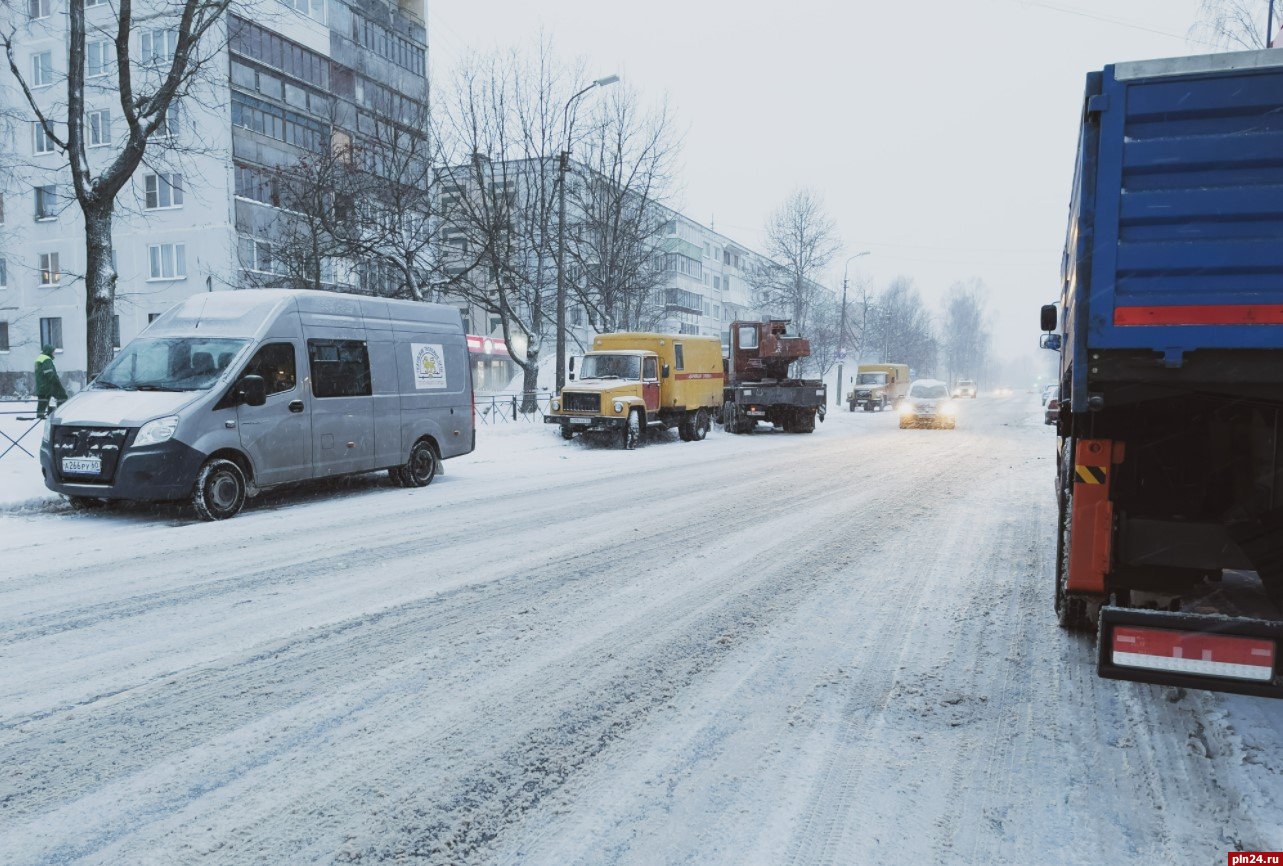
{"points": [[1049, 317], [252, 390]]}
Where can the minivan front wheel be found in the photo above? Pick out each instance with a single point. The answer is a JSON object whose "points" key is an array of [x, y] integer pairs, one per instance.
{"points": [[421, 468], [220, 490]]}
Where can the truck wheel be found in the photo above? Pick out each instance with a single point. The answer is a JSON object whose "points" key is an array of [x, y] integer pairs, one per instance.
{"points": [[220, 490], [804, 423], [699, 428], [567, 433], [421, 468], [868, 407], [685, 427], [632, 435], [851, 406]]}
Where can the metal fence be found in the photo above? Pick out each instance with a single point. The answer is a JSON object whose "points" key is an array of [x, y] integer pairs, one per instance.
{"points": [[17, 423], [494, 409]]}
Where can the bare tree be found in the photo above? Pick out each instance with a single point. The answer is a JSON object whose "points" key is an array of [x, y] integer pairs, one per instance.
{"points": [[184, 40], [800, 242], [625, 172], [1233, 24], [507, 115], [901, 325], [965, 338]]}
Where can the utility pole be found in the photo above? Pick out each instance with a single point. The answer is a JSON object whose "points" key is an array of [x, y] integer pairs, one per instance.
{"points": [[842, 325]]}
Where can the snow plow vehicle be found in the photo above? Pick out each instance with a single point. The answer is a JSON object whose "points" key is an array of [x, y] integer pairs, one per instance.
{"points": [[759, 386], [878, 386], [1170, 416], [633, 381]]}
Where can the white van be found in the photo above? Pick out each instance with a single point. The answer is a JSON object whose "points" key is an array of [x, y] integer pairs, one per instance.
{"points": [[229, 393]]}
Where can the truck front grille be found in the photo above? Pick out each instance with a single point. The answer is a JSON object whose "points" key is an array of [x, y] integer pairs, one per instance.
{"points": [[581, 402]]}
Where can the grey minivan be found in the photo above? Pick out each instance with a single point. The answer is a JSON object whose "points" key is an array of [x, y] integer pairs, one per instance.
{"points": [[229, 393]]}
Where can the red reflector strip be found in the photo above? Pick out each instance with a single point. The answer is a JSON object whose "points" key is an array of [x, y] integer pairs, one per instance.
{"points": [[1210, 314], [1212, 655]]}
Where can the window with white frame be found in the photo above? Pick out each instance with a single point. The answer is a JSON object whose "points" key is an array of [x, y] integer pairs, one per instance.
{"points": [[51, 332], [163, 190], [4, 336], [4, 274], [43, 143], [37, 9], [92, 3], [98, 123], [158, 46], [168, 127], [46, 202], [50, 274], [167, 261], [99, 55], [311, 8], [42, 69], [257, 256]]}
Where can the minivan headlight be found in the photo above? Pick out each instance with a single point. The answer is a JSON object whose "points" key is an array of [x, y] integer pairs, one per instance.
{"points": [[159, 430]]}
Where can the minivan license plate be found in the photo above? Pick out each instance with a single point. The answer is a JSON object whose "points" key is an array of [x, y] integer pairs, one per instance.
{"points": [[82, 465]]}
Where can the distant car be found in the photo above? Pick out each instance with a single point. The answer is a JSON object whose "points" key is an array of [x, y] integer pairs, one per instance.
{"points": [[1002, 391], [1048, 392], [965, 388], [928, 404], [1052, 413]]}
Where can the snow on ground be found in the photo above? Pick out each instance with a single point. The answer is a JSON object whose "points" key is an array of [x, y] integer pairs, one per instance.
{"points": [[770, 649]]}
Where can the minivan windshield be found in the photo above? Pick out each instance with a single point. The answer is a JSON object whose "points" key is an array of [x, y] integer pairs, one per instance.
{"points": [[871, 379], [611, 367], [170, 364]]}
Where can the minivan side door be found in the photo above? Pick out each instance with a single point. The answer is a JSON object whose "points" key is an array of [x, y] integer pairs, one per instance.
{"points": [[277, 436], [342, 406]]}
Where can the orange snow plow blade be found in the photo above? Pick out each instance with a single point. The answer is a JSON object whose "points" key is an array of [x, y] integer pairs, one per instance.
{"points": [[1200, 651]]}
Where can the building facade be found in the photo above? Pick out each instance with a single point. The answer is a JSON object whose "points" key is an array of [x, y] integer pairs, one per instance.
{"points": [[286, 79]]}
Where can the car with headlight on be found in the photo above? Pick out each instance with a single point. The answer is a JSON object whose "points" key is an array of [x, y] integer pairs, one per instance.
{"points": [[965, 388], [928, 404]]}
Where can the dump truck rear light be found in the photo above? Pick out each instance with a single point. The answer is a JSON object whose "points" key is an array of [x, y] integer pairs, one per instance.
{"points": [[1210, 655]]}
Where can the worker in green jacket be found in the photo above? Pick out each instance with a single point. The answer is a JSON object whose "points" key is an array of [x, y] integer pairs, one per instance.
{"points": [[47, 382]]}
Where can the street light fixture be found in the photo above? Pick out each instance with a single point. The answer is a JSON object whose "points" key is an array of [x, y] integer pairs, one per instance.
{"points": [[842, 326], [563, 167]]}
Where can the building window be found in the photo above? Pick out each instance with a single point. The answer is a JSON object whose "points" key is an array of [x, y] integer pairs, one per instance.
{"points": [[167, 262], [98, 57], [37, 9], [250, 40], [1, 208], [388, 45], [42, 69], [4, 274], [310, 8], [51, 332], [50, 274], [256, 255], [275, 122], [151, 317], [43, 142], [164, 190], [115, 332], [46, 202], [99, 126], [91, 3], [4, 336], [158, 46], [168, 126]]}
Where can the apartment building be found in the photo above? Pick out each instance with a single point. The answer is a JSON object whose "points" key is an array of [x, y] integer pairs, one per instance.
{"points": [[287, 80]]}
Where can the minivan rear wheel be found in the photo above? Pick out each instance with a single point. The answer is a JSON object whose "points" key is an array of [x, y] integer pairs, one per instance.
{"points": [[421, 468], [220, 490]]}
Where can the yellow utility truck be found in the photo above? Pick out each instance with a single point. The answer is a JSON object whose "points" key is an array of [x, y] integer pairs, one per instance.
{"points": [[632, 381], [878, 386]]}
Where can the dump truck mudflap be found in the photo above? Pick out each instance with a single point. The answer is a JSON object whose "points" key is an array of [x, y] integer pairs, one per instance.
{"points": [[1198, 651]]}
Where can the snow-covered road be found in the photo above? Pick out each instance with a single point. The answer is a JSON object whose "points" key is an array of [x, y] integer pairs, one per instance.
{"points": [[774, 649]]}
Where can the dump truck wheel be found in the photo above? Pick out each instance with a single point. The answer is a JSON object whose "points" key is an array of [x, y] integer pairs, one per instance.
{"points": [[804, 422], [567, 433], [220, 490]]}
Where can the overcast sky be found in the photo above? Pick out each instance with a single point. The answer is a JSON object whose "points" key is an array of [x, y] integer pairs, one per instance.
{"points": [[940, 133]]}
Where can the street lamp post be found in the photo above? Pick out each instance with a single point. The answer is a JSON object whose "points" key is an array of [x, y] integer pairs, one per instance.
{"points": [[563, 166], [842, 326]]}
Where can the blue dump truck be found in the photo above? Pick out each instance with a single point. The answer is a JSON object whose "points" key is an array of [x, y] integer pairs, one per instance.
{"points": [[1170, 333]]}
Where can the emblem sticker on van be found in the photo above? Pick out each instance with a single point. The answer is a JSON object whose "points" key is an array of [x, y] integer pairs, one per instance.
{"points": [[429, 365]]}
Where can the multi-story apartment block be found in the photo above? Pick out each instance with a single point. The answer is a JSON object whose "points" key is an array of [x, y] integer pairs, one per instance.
{"points": [[288, 79]]}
